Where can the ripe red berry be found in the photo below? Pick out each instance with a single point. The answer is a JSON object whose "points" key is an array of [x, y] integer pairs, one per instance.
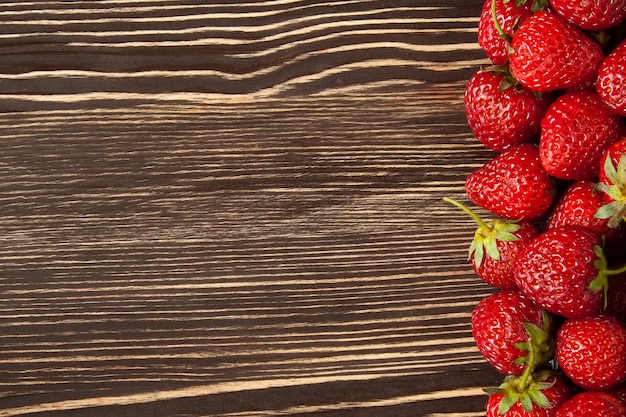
{"points": [[594, 15], [500, 114], [504, 325], [550, 53], [575, 132], [513, 185], [592, 403], [592, 351], [611, 81], [577, 206], [562, 270]]}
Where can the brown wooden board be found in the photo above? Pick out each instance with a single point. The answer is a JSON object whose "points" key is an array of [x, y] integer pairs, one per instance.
{"points": [[234, 209]]}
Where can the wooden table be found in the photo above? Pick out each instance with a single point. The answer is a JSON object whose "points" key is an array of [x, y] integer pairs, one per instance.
{"points": [[234, 209]]}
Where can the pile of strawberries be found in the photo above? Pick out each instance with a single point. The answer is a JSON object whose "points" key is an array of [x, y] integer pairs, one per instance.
{"points": [[552, 109]]}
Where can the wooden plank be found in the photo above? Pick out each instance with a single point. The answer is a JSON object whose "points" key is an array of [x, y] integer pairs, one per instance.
{"points": [[110, 51], [235, 209]]}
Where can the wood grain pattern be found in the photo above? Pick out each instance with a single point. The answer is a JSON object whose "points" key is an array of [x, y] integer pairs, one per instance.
{"points": [[234, 209], [64, 52]]}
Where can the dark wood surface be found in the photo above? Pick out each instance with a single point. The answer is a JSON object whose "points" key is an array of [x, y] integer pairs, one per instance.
{"points": [[233, 209]]}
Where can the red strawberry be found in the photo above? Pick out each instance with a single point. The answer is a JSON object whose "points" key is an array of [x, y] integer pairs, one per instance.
{"points": [[500, 114], [611, 82], [550, 53], [577, 206], [592, 351], [541, 397], [613, 153], [564, 271], [513, 185], [506, 327], [575, 132], [594, 15], [495, 247], [613, 183], [592, 403], [509, 14]]}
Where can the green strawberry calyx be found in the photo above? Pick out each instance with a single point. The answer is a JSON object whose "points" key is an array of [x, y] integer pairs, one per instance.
{"points": [[615, 211], [487, 235], [529, 393], [540, 345], [601, 281], [507, 80]]}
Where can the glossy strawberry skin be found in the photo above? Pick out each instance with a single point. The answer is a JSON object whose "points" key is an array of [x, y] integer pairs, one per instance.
{"points": [[497, 325], [613, 185], [575, 132], [500, 119], [591, 15], [556, 269], [614, 152], [611, 81], [592, 351], [557, 394], [577, 206], [499, 273], [592, 403], [509, 15], [552, 54], [513, 185]]}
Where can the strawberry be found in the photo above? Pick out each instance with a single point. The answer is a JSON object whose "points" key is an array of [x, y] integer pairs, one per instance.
{"points": [[564, 270], [578, 205], [493, 35], [591, 351], [495, 247], [540, 396], [499, 113], [592, 403], [513, 185], [512, 332], [575, 132], [594, 15], [611, 81], [613, 183], [550, 53]]}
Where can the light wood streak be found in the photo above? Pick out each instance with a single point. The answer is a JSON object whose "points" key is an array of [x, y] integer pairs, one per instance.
{"points": [[264, 51]]}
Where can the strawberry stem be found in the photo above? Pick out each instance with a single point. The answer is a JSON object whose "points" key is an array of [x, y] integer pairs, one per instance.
{"points": [[615, 271], [478, 220], [530, 367], [540, 348], [494, 17]]}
